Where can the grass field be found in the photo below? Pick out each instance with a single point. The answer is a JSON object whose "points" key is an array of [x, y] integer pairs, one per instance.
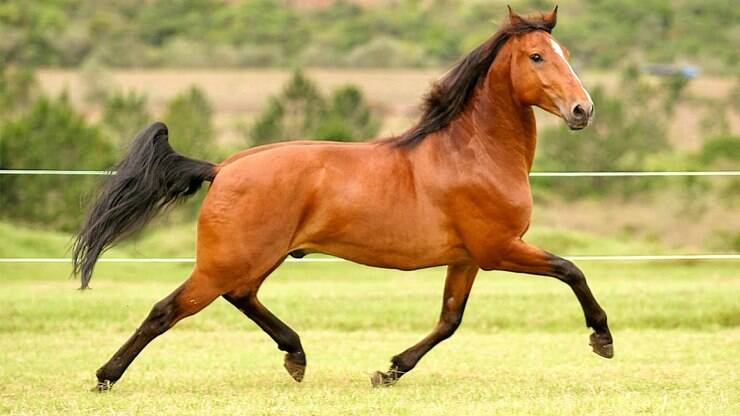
{"points": [[522, 348]]}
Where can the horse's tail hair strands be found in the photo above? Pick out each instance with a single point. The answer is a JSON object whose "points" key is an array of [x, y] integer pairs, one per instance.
{"points": [[150, 178]]}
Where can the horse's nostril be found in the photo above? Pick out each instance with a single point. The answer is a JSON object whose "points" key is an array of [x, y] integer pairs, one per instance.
{"points": [[579, 112]]}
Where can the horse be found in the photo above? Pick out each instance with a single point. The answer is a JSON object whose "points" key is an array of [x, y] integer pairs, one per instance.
{"points": [[451, 191]]}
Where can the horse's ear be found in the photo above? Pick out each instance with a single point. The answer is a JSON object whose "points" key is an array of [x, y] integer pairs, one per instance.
{"points": [[513, 17], [551, 19]]}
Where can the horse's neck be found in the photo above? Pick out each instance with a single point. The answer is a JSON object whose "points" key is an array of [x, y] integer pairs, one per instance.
{"points": [[495, 124]]}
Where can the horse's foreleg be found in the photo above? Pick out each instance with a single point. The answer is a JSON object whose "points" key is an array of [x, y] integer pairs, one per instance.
{"points": [[192, 296], [523, 258], [457, 287], [286, 339]]}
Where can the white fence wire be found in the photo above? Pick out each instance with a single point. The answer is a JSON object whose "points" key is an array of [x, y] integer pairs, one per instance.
{"points": [[672, 257], [668, 257], [532, 174]]}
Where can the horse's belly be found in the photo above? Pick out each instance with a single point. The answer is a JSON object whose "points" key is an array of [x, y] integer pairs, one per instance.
{"points": [[396, 256], [386, 239]]}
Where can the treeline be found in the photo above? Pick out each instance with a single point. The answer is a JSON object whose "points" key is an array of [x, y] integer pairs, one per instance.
{"points": [[42, 132], [400, 33], [629, 134]]}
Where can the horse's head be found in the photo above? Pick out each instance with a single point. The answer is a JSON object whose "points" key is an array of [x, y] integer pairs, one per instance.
{"points": [[541, 75]]}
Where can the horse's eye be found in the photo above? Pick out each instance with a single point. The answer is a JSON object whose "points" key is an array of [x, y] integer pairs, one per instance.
{"points": [[535, 57]]}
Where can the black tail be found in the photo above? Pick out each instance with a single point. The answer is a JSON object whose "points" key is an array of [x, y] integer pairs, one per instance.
{"points": [[150, 178]]}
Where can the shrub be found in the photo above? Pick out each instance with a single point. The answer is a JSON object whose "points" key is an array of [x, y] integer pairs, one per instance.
{"points": [[723, 153], [124, 114], [17, 86], [621, 138], [349, 117], [51, 135], [269, 127], [136, 32], [97, 82], [720, 152], [301, 112], [191, 130], [383, 51]]}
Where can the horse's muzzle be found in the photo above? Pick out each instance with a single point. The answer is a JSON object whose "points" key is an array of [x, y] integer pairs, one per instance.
{"points": [[579, 116]]}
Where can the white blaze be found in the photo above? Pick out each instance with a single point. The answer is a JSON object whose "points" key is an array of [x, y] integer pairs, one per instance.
{"points": [[559, 51]]}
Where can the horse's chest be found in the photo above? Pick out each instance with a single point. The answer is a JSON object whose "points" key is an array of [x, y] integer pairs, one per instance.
{"points": [[510, 211], [499, 210]]}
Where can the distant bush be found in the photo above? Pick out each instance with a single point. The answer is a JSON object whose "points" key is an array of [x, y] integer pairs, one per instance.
{"points": [[124, 114], [50, 135], [295, 114], [348, 117], [189, 119], [301, 112], [720, 152], [723, 153], [270, 32], [622, 137], [73, 44], [384, 51], [97, 82], [185, 52], [17, 86]]}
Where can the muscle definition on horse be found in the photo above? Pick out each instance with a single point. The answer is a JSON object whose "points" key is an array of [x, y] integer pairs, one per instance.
{"points": [[453, 190]]}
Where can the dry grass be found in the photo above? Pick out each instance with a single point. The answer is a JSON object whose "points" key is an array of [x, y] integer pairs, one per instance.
{"points": [[680, 220], [237, 95]]}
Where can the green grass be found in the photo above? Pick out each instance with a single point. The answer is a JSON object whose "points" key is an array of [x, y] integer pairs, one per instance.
{"points": [[522, 348], [164, 240]]}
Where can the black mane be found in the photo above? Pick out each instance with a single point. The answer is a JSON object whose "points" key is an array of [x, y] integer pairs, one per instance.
{"points": [[449, 96]]}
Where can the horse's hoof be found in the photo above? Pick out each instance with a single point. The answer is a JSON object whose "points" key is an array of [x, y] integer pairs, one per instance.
{"points": [[296, 370], [102, 386], [602, 345], [381, 379]]}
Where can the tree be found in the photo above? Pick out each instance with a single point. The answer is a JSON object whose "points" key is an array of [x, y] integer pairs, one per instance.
{"points": [[295, 114], [301, 112], [349, 117], [189, 119], [17, 87], [124, 114], [621, 138], [50, 135]]}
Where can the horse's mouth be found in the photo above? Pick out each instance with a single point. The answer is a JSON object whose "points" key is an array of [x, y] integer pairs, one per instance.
{"points": [[576, 127]]}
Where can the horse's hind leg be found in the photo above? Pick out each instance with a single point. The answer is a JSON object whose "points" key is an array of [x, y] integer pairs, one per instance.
{"points": [[459, 281], [193, 295], [286, 338]]}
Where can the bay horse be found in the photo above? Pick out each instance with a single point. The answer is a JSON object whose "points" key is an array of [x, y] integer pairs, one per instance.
{"points": [[453, 190]]}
